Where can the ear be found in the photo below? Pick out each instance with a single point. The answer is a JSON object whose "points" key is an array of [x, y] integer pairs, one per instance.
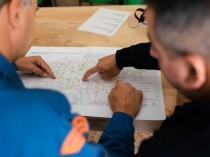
{"points": [[14, 10], [196, 72]]}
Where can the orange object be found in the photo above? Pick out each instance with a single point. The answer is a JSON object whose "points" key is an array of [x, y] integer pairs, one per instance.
{"points": [[81, 124], [73, 142]]}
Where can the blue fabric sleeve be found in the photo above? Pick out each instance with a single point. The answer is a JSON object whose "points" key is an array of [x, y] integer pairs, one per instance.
{"points": [[14, 66], [118, 137]]}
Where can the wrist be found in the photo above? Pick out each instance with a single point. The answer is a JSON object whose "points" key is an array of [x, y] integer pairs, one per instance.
{"points": [[117, 61], [125, 113]]}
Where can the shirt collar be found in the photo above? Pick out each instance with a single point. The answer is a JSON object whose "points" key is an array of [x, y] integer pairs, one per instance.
{"points": [[9, 71]]}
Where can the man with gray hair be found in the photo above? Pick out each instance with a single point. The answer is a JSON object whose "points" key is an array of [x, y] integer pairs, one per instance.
{"points": [[37, 122], [179, 31]]}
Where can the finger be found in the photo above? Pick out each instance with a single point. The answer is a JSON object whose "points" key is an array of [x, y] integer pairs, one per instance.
{"points": [[105, 76], [90, 72], [140, 94], [39, 71], [140, 91], [128, 85], [44, 66], [119, 83]]}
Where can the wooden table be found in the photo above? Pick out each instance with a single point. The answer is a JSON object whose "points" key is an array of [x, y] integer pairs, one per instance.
{"points": [[57, 26]]}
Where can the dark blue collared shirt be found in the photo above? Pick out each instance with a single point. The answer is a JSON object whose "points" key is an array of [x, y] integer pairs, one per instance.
{"points": [[38, 123]]}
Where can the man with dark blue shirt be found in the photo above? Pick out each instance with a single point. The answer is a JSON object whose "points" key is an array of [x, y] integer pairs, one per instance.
{"points": [[38, 123]]}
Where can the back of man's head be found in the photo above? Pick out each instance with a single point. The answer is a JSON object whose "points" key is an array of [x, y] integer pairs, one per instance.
{"points": [[17, 18], [183, 26]]}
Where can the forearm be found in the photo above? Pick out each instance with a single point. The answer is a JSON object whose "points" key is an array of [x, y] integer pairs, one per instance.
{"points": [[118, 137], [136, 56]]}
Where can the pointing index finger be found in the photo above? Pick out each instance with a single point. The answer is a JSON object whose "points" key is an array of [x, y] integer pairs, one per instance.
{"points": [[90, 72]]}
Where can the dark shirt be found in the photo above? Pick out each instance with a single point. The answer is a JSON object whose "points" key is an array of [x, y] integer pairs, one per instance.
{"points": [[187, 132], [136, 56]]}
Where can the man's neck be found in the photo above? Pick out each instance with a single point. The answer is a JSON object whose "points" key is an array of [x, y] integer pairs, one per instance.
{"points": [[9, 58], [203, 94], [207, 85], [6, 48]]}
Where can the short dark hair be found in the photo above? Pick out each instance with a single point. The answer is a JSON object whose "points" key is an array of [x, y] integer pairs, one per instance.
{"points": [[183, 25]]}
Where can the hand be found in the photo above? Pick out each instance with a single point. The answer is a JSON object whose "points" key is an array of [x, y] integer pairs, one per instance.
{"points": [[125, 98], [106, 66], [34, 64]]}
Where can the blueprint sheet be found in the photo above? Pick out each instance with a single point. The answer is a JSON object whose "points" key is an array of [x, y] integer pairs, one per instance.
{"points": [[91, 98]]}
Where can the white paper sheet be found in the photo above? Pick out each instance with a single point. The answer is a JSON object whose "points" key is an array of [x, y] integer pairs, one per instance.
{"points": [[91, 98], [105, 21]]}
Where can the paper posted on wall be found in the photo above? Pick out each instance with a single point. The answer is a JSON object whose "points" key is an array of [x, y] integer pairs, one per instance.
{"points": [[91, 98]]}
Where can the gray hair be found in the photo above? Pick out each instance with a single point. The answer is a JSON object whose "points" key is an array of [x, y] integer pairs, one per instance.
{"points": [[2, 2], [183, 26]]}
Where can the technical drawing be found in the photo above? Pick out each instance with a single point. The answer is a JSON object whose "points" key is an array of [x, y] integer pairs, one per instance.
{"points": [[69, 69]]}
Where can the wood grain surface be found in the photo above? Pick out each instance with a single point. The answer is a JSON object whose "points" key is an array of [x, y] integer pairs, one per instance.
{"points": [[57, 26]]}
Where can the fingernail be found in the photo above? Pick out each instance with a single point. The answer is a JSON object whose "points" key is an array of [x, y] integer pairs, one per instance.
{"points": [[54, 76], [45, 75]]}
